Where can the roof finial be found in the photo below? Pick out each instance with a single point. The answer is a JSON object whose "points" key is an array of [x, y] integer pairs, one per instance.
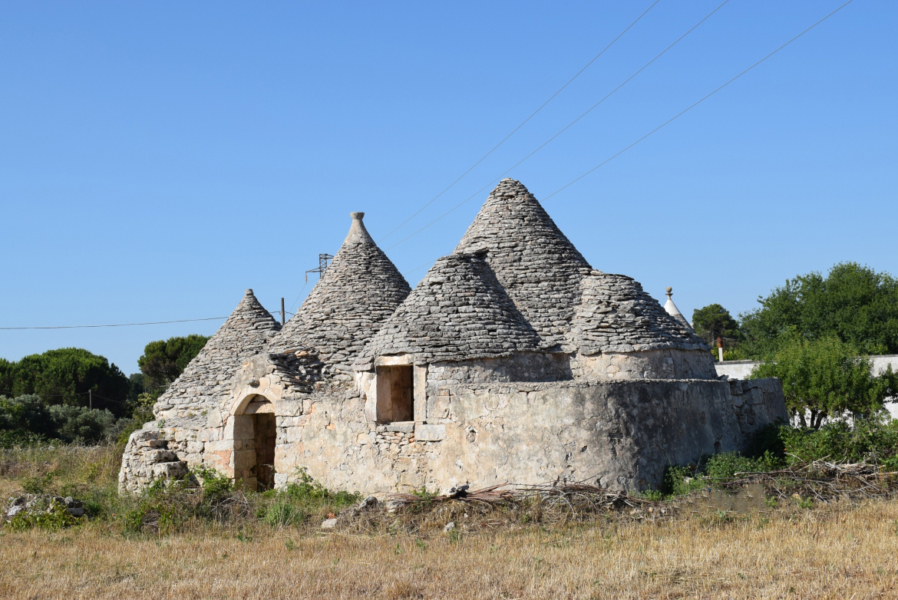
{"points": [[669, 291], [249, 292], [357, 231]]}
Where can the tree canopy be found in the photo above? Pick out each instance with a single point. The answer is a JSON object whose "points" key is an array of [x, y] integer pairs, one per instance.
{"points": [[29, 419], [163, 361], [64, 377], [825, 378], [714, 321], [853, 303]]}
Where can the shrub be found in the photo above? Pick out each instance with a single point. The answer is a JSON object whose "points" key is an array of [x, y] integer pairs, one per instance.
{"points": [[53, 518]]}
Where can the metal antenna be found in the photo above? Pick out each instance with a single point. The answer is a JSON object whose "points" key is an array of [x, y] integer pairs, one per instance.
{"points": [[322, 266]]}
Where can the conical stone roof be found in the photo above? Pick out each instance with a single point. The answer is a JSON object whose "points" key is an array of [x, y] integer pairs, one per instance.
{"points": [[358, 291], [536, 264], [459, 311], [616, 315], [671, 309], [206, 380]]}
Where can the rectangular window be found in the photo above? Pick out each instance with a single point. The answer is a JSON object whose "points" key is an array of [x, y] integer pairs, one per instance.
{"points": [[395, 394]]}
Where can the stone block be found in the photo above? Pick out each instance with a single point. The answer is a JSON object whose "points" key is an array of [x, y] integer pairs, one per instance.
{"points": [[169, 470], [239, 428], [430, 433], [404, 427]]}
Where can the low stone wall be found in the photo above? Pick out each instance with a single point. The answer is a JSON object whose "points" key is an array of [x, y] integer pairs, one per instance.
{"points": [[147, 457]]}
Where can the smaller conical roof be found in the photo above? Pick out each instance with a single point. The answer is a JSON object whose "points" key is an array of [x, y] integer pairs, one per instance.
{"points": [[671, 309], [616, 315], [459, 311], [358, 291], [206, 379], [533, 260]]}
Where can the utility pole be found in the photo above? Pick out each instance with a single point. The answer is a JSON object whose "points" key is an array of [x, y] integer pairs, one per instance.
{"points": [[720, 348], [283, 313], [90, 398]]}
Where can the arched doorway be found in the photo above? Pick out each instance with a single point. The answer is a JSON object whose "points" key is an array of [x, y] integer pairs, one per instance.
{"points": [[259, 433]]}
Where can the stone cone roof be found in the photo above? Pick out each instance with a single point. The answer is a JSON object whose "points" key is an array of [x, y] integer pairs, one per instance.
{"points": [[671, 309], [206, 380], [359, 290], [616, 315], [536, 264], [459, 311]]}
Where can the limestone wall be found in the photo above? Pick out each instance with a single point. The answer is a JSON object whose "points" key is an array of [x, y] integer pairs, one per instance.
{"points": [[649, 364], [621, 434]]}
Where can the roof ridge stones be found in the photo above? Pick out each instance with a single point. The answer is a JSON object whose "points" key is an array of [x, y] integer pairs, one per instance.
{"points": [[357, 292], [616, 315], [459, 311], [533, 260], [205, 380]]}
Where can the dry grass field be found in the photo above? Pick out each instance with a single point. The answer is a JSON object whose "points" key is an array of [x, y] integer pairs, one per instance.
{"points": [[696, 549], [839, 551]]}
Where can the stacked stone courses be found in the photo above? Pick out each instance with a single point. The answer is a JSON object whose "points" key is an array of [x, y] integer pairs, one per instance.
{"points": [[535, 263], [358, 291], [459, 311], [206, 380], [616, 315], [512, 360]]}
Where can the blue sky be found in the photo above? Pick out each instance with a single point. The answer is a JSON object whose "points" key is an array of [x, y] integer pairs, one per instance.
{"points": [[158, 158]]}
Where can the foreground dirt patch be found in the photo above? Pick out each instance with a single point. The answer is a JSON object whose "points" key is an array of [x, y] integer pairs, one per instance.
{"points": [[836, 551]]}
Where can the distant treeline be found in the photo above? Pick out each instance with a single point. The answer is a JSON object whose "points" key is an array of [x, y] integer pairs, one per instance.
{"points": [[71, 394]]}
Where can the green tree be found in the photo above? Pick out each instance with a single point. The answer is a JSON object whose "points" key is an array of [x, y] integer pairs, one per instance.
{"points": [[163, 361], [27, 414], [714, 321], [6, 376], [853, 302], [826, 378], [65, 376]]}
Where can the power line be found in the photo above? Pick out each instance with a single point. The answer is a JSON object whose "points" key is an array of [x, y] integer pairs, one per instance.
{"points": [[299, 295], [565, 128], [115, 325], [690, 107], [637, 141], [524, 122]]}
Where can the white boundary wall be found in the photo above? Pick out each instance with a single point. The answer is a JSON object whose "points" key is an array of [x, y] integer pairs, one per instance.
{"points": [[741, 369]]}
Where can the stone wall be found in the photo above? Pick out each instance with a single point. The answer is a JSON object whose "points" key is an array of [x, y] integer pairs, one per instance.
{"points": [[621, 434], [649, 364]]}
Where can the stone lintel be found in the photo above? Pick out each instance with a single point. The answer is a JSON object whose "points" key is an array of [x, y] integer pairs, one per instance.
{"points": [[394, 361]]}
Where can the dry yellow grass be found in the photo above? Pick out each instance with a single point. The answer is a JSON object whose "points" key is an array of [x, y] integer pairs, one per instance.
{"points": [[837, 551]]}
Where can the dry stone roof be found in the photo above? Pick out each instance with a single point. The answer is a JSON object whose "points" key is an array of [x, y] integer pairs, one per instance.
{"points": [[359, 290], [535, 263], [205, 382], [459, 311], [616, 315]]}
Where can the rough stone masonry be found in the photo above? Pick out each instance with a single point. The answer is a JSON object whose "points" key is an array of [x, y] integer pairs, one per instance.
{"points": [[513, 360]]}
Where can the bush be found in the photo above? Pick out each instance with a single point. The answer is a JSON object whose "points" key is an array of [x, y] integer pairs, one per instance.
{"points": [[27, 420], [82, 425]]}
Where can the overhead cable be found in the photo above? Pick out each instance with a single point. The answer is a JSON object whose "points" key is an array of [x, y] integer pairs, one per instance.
{"points": [[115, 325], [524, 122], [565, 128], [691, 106], [637, 141]]}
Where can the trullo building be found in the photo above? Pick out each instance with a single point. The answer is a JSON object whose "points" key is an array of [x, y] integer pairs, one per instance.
{"points": [[513, 360]]}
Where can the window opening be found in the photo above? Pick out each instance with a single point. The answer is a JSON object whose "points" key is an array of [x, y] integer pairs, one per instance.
{"points": [[396, 386]]}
